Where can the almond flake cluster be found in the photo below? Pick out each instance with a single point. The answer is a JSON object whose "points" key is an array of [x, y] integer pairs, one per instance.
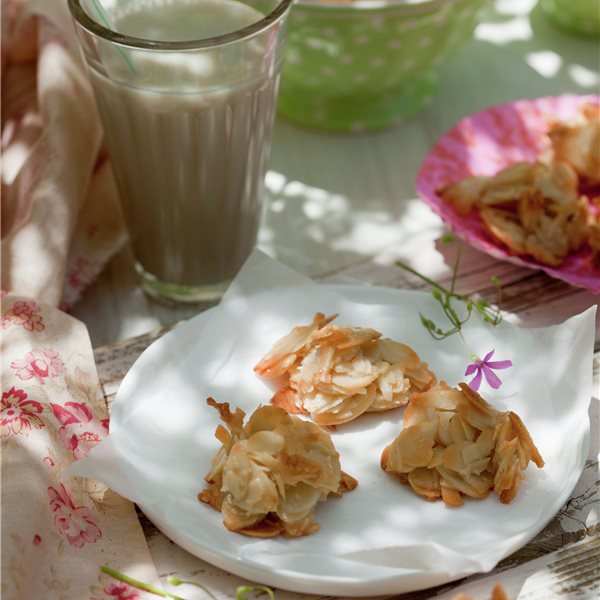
{"points": [[336, 373], [455, 444], [270, 473]]}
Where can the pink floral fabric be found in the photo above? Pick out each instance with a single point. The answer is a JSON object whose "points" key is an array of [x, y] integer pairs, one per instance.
{"points": [[61, 222], [118, 591], [61, 219], [38, 364], [58, 531], [79, 431], [23, 314], [76, 524], [19, 415]]}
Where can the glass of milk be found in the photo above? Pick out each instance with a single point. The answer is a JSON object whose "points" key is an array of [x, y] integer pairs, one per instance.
{"points": [[186, 91]]}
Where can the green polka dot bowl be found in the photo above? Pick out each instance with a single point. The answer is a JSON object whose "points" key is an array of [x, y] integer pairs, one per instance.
{"points": [[365, 64], [578, 16]]}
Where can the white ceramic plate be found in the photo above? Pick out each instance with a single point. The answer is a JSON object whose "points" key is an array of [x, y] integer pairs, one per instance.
{"points": [[381, 538]]}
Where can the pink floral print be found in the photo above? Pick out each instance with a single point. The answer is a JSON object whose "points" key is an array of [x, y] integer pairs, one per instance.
{"points": [[83, 271], [24, 313], [19, 414], [79, 430], [121, 591], [76, 525], [38, 364]]}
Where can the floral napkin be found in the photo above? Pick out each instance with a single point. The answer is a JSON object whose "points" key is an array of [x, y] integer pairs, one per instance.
{"points": [[60, 224], [56, 530], [61, 219]]}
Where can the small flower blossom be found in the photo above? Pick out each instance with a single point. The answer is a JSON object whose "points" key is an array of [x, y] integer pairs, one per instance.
{"points": [[23, 314], [79, 430], [485, 368], [38, 364], [76, 524], [18, 413], [24, 307], [121, 591]]}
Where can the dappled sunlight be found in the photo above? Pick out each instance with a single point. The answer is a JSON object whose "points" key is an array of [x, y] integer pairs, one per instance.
{"points": [[40, 242], [546, 62], [17, 153], [594, 514], [514, 7], [586, 78], [419, 250], [374, 230], [333, 227], [581, 69], [531, 44], [504, 33], [142, 313]]}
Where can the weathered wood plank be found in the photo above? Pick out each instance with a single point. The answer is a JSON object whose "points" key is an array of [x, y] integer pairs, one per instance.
{"points": [[572, 572], [114, 360], [529, 298]]}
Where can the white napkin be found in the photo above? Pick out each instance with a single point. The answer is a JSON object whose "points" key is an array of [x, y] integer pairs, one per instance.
{"points": [[381, 538]]}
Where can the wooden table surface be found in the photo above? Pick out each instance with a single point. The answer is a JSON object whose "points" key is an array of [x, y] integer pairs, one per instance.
{"points": [[342, 208]]}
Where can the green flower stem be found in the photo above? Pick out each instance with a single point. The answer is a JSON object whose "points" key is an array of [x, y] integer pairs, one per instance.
{"points": [[242, 590], [448, 292], [455, 270], [240, 593], [445, 296], [175, 581], [146, 587], [427, 280]]}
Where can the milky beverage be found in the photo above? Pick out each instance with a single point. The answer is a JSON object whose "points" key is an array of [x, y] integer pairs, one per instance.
{"points": [[188, 134]]}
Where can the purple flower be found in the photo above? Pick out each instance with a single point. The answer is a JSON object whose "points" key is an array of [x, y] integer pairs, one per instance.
{"points": [[486, 367]]}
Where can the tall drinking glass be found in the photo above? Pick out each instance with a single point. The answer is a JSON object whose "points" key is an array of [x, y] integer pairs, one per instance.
{"points": [[186, 91]]}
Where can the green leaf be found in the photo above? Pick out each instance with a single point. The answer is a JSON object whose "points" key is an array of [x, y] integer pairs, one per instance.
{"points": [[481, 305], [425, 321], [453, 315]]}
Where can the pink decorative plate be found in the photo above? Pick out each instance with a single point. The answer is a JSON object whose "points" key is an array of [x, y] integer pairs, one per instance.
{"points": [[483, 144]]}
